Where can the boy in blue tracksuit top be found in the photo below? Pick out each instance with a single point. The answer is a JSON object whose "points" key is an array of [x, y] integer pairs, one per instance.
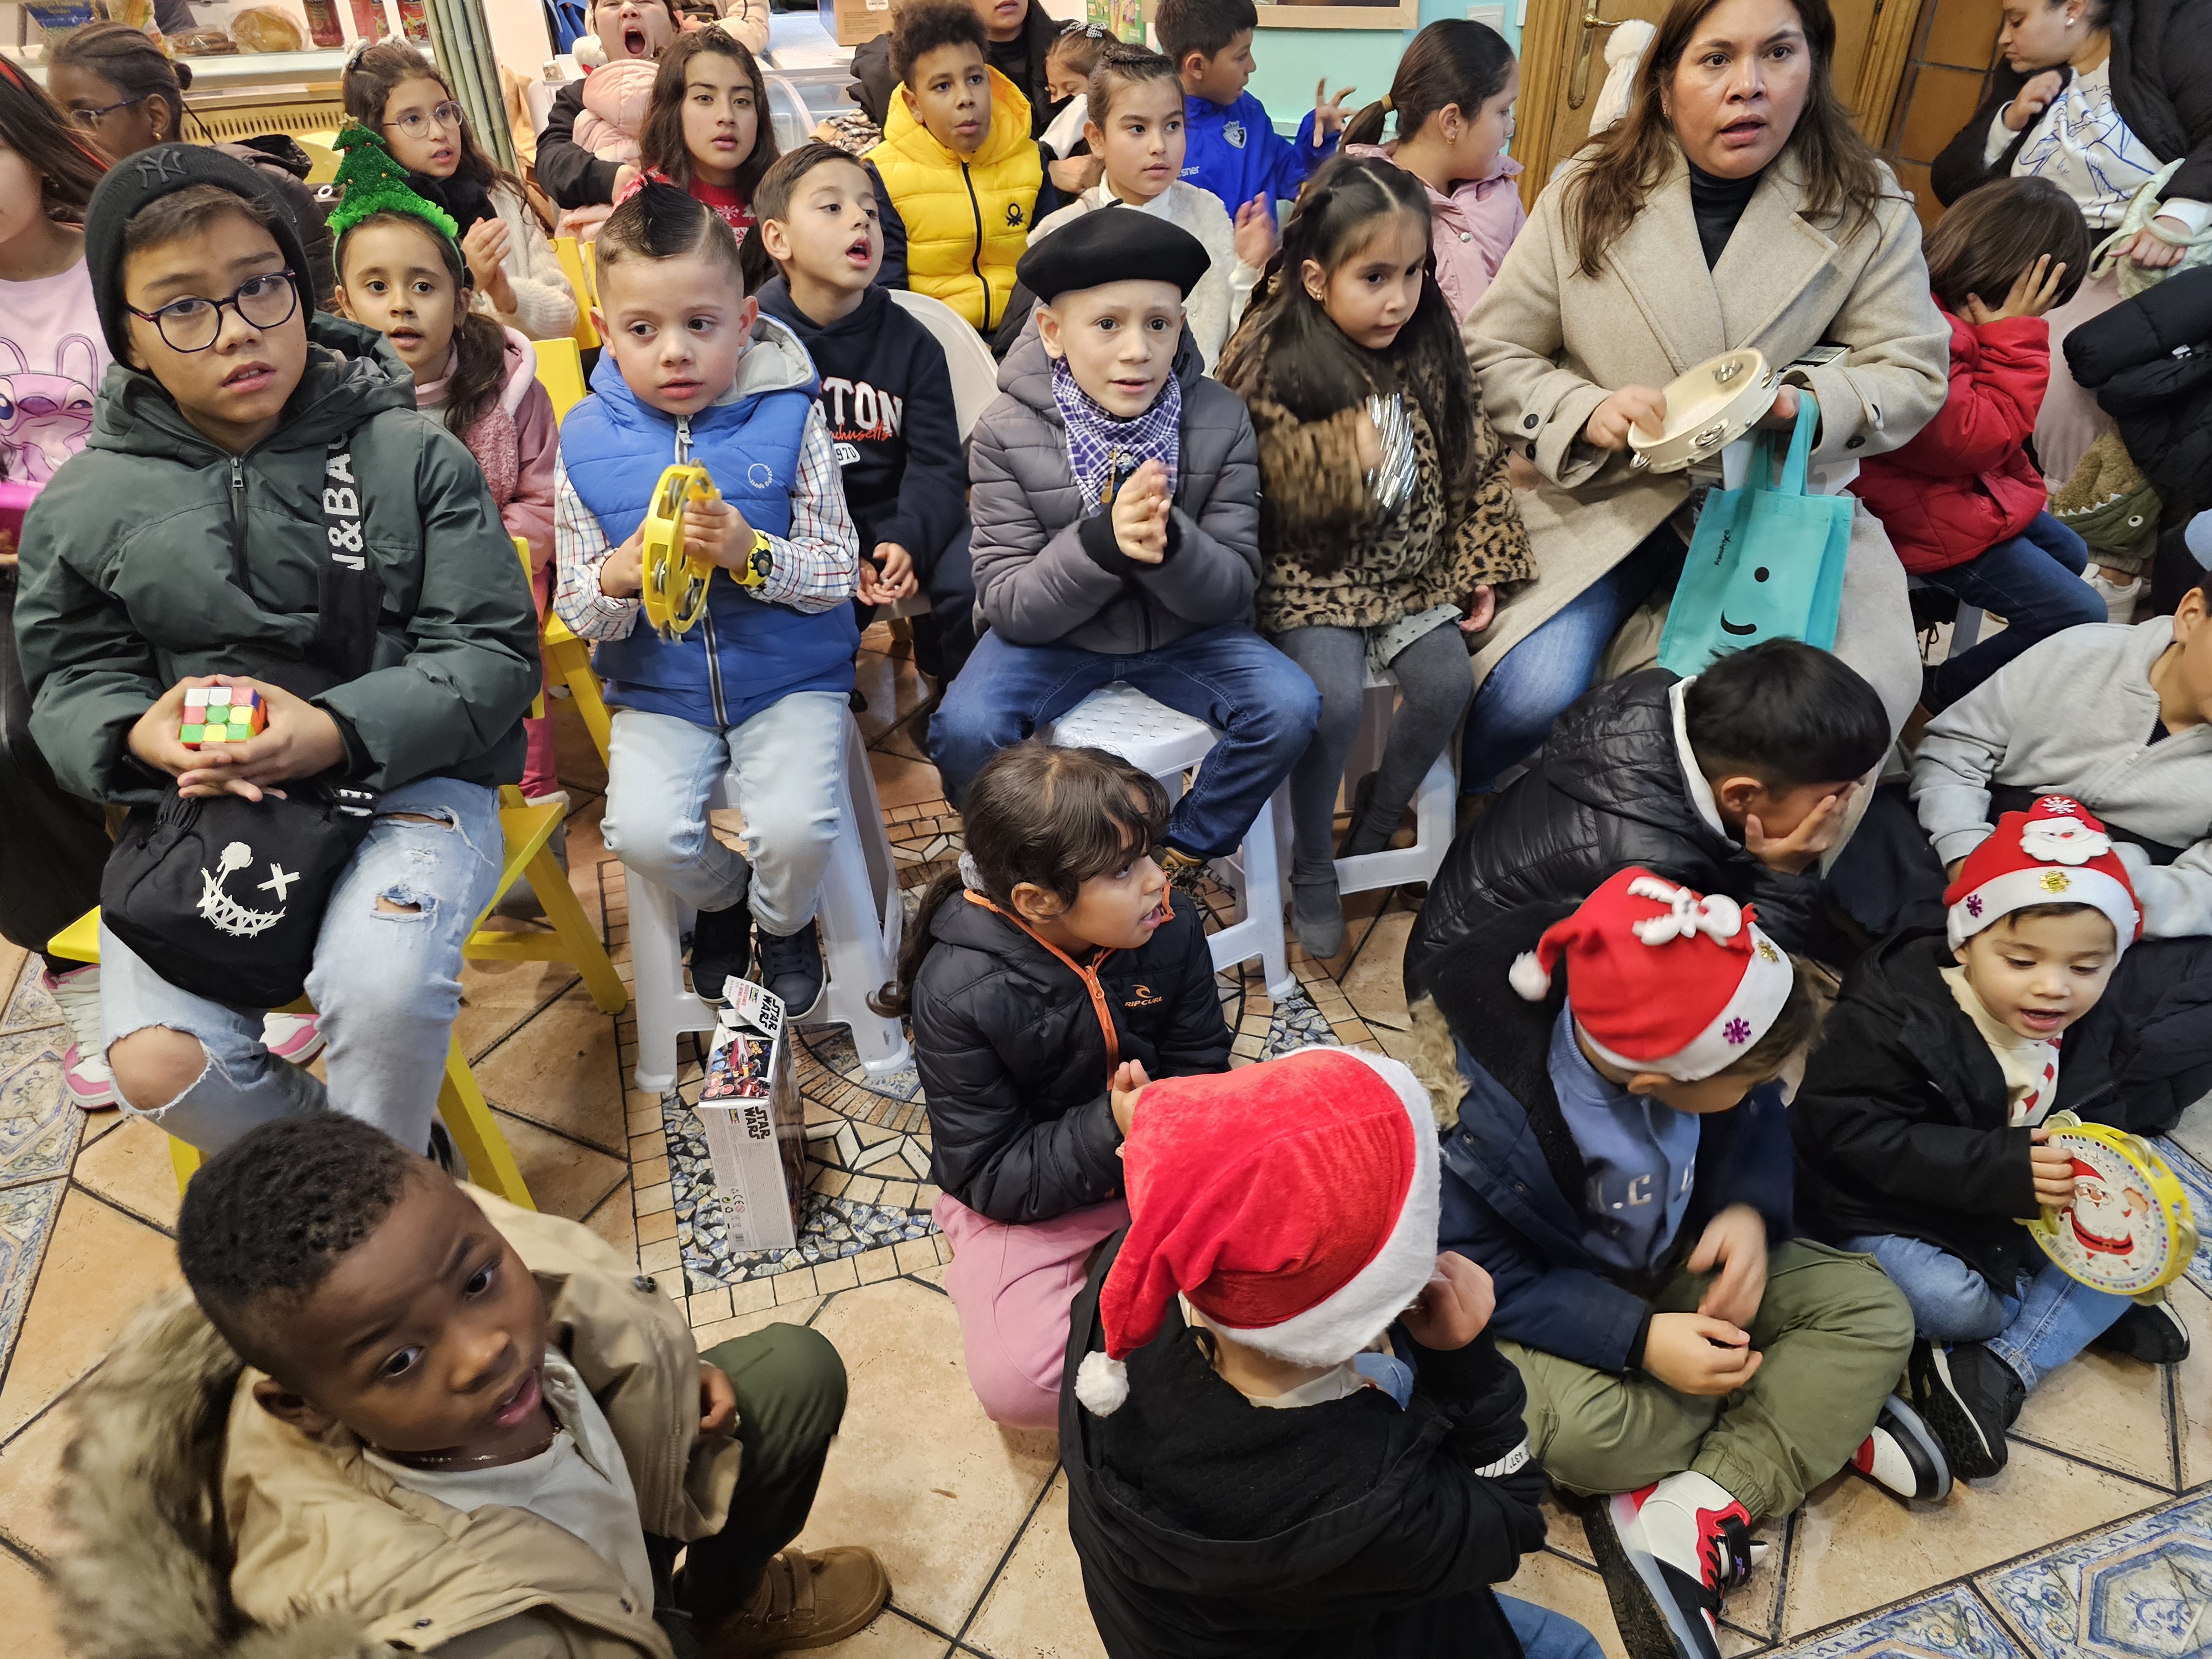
{"points": [[1621, 1167], [758, 688], [1230, 146]]}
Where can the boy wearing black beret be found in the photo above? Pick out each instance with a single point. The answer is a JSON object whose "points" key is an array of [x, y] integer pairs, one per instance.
{"points": [[1116, 499]]}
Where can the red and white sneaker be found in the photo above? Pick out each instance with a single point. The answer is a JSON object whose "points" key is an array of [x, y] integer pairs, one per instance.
{"points": [[1669, 1554], [295, 1037], [1902, 1455], [91, 1085]]}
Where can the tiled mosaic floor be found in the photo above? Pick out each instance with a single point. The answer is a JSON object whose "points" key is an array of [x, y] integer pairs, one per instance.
{"points": [[2097, 1541]]}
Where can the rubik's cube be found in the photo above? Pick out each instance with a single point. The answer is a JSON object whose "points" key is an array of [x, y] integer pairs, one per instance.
{"points": [[221, 713]]}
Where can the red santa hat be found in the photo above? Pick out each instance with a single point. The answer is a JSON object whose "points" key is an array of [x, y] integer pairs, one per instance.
{"points": [[2056, 853], [1294, 1202], [1661, 978]]}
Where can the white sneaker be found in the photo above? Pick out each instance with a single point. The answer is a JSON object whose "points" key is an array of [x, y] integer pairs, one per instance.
{"points": [[2119, 602], [296, 1037], [91, 1085]]}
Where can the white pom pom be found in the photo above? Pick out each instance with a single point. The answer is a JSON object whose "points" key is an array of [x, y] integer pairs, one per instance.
{"points": [[1528, 976], [1102, 1384]]}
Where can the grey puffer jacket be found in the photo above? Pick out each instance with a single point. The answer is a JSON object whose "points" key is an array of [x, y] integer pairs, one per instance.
{"points": [[1041, 579]]}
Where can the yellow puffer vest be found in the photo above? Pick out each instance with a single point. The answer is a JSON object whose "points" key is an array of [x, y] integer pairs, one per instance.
{"points": [[966, 221]]}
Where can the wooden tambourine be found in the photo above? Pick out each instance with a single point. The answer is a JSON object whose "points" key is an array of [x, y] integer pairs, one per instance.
{"points": [[675, 584], [1707, 408], [2129, 1230]]}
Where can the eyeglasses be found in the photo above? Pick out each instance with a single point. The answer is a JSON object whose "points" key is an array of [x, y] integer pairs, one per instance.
{"points": [[91, 119], [193, 323], [415, 124]]}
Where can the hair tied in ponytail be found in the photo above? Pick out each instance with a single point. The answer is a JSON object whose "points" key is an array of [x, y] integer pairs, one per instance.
{"points": [[1387, 105]]}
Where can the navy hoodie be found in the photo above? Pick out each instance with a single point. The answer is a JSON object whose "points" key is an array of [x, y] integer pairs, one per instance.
{"points": [[886, 397]]}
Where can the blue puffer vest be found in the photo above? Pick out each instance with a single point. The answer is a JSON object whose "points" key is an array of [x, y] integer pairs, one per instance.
{"points": [[746, 652]]}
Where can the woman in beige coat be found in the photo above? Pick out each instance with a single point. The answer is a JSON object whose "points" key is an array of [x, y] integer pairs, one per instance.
{"points": [[1735, 205]]}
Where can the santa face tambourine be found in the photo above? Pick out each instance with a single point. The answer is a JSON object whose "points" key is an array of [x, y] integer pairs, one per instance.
{"points": [[2129, 1230]]}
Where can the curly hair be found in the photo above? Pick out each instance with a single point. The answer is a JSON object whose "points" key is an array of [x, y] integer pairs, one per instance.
{"points": [[920, 26], [272, 1212]]}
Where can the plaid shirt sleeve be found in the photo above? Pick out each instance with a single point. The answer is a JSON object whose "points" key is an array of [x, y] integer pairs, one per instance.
{"points": [[579, 548], [817, 565]]}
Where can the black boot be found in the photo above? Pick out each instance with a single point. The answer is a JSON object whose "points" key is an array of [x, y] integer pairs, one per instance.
{"points": [[721, 948]]}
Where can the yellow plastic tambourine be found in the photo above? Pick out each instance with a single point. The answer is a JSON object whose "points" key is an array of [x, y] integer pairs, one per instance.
{"points": [[2129, 1229], [675, 584]]}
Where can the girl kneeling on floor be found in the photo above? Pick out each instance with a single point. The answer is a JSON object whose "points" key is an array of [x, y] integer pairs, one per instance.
{"points": [[1050, 979]]}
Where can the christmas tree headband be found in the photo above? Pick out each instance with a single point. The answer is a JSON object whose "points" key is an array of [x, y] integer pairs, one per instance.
{"points": [[375, 183]]}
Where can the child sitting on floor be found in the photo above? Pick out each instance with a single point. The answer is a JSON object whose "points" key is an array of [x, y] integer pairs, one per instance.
{"points": [[1385, 506], [399, 1410], [1964, 503], [1295, 1435], [959, 181], [1048, 977], [693, 373], [1116, 502], [1234, 150], [1920, 1123], [885, 394], [1736, 780], [707, 127], [1137, 129], [1621, 1166]]}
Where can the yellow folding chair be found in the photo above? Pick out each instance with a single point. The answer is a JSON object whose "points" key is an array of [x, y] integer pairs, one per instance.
{"points": [[561, 372], [570, 659], [461, 1105], [578, 270]]}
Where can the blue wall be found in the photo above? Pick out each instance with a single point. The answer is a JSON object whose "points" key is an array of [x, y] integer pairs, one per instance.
{"points": [[1291, 60]]}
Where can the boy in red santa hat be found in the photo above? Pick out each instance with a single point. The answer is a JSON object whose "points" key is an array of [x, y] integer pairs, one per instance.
{"points": [[1620, 1164], [1290, 1433], [1919, 1132]]}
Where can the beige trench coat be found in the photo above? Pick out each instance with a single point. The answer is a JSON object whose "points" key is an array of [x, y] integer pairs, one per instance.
{"points": [[1548, 345]]}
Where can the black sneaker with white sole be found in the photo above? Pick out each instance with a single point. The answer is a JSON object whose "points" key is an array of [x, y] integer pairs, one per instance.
{"points": [[1669, 1555], [791, 968], [1902, 1455], [2153, 1333], [1968, 1398], [721, 948]]}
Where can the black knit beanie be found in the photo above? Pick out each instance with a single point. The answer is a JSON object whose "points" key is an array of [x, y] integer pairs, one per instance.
{"points": [[133, 182]]}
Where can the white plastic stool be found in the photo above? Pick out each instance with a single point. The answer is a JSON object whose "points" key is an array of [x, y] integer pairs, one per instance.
{"points": [[1433, 801], [1153, 737], [860, 914]]}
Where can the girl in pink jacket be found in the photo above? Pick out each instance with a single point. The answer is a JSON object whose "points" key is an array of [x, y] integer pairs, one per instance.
{"points": [[1454, 97]]}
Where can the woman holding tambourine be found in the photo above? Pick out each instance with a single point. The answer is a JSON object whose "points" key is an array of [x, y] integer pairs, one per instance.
{"points": [[1734, 208]]}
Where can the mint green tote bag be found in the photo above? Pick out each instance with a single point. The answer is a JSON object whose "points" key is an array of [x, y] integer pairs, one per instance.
{"points": [[1767, 561]]}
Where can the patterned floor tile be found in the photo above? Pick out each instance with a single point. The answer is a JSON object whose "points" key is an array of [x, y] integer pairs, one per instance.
{"points": [[28, 1005], [2142, 1590], [26, 1216], [39, 1125], [1953, 1624]]}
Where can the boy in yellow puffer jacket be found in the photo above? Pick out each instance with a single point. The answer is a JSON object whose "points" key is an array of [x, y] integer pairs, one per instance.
{"points": [[958, 180], [429, 1421]]}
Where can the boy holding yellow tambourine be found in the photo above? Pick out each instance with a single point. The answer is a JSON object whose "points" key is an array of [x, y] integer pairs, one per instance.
{"points": [[1929, 1124]]}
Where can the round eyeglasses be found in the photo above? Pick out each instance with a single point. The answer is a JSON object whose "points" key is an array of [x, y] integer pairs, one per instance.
{"points": [[191, 324], [415, 124]]}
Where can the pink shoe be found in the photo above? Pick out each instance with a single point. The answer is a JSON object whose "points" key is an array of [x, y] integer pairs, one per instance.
{"points": [[91, 1085], [295, 1037]]}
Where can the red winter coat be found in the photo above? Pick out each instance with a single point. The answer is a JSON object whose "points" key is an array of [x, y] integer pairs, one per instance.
{"points": [[1965, 483]]}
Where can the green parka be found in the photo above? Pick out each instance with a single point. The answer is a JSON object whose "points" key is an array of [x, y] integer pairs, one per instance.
{"points": [[155, 554]]}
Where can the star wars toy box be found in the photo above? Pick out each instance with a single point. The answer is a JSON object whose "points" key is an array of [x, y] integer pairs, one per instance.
{"points": [[748, 1107]]}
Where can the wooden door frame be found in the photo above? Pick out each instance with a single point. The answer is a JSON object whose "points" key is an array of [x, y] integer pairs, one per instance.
{"points": [[1547, 43]]}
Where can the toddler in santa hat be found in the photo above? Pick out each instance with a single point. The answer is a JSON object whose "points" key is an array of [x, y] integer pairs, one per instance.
{"points": [[1289, 1431], [1919, 1132], [1620, 1165]]}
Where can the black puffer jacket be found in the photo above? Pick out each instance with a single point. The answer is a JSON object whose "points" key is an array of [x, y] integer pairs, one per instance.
{"points": [[2162, 86], [1900, 1123], [2149, 361], [1604, 792], [1013, 1058]]}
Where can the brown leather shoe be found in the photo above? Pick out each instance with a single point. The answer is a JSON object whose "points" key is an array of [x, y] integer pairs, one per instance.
{"points": [[805, 1601]]}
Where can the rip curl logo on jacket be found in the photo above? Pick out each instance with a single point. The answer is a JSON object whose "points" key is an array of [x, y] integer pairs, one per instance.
{"points": [[342, 509], [225, 914]]}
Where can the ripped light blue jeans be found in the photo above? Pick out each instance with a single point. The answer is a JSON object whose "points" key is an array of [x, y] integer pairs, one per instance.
{"points": [[386, 982]]}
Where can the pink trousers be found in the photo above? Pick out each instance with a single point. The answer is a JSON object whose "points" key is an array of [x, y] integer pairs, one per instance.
{"points": [[1012, 1286]]}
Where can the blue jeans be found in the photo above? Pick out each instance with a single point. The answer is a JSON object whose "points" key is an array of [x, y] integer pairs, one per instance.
{"points": [[1261, 702], [2035, 1331], [386, 982], [1533, 683], [2034, 582], [786, 760], [1545, 1634]]}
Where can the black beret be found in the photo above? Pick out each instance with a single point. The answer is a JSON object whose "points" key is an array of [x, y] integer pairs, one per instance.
{"points": [[133, 182], [1115, 244]]}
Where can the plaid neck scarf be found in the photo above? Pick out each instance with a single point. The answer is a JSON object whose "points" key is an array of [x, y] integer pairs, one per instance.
{"points": [[1104, 451]]}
